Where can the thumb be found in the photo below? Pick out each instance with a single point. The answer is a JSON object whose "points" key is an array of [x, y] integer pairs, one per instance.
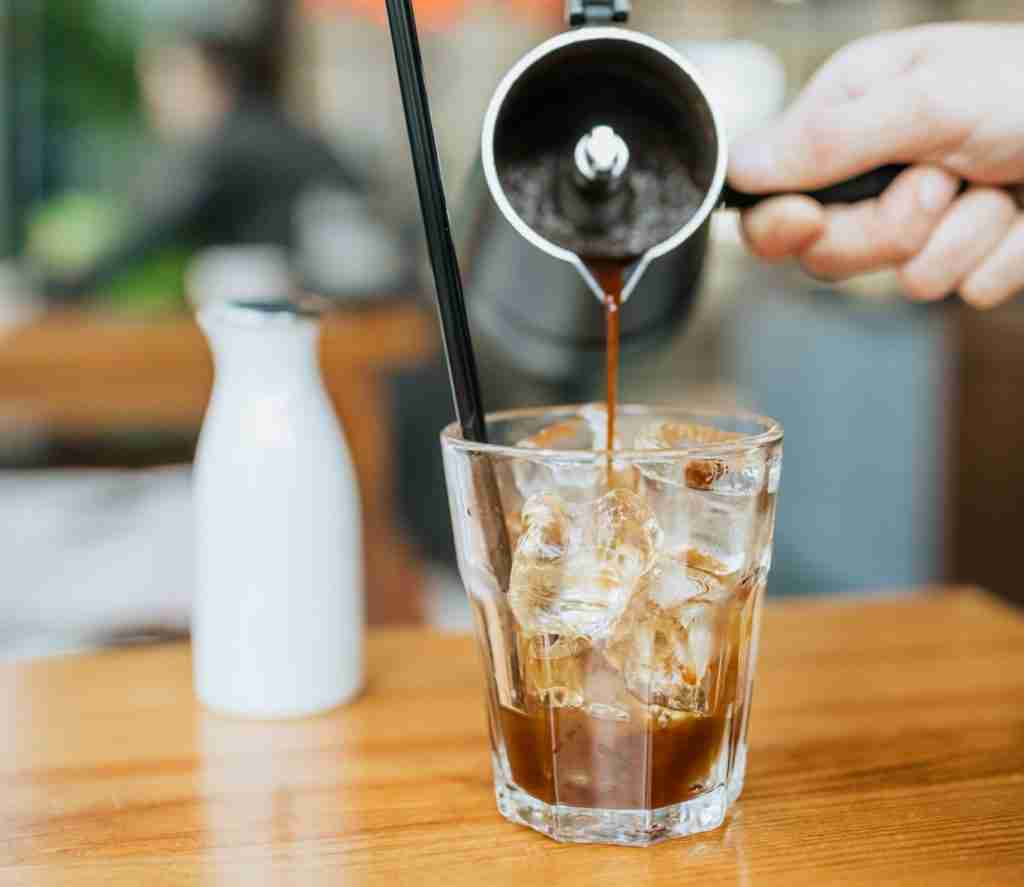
{"points": [[816, 145]]}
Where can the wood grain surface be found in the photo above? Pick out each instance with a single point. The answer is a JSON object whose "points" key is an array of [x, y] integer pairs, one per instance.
{"points": [[887, 748], [77, 371]]}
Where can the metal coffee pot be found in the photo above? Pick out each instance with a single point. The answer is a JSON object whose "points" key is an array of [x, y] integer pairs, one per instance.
{"points": [[601, 144]]}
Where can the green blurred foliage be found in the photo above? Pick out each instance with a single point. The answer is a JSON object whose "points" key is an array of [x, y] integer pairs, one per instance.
{"points": [[90, 55], [156, 286], [92, 64], [68, 233]]}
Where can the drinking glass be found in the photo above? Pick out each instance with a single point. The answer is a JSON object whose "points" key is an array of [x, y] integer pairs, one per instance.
{"points": [[617, 599]]}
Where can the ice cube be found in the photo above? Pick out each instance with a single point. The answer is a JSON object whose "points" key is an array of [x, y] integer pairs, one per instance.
{"points": [[721, 527], [742, 475], [594, 594], [575, 478], [701, 560], [546, 528], [739, 474], [618, 475], [670, 507], [675, 582], [708, 505], [576, 567], [605, 697], [668, 435], [672, 642], [624, 533], [618, 543], [539, 563], [579, 480], [572, 434], [554, 668], [596, 417]]}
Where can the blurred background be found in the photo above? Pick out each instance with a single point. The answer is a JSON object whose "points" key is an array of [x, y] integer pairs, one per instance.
{"points": [[155, 154]]}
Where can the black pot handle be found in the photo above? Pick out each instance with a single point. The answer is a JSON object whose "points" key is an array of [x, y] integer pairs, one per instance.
{"points": [[862, 187]]}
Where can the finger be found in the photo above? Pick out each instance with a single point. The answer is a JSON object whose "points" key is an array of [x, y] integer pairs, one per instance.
{"points": [[883, 233], [971, 228], [782, 226], [902, 121], [1001, 275], [859, 66], [849, 74]]}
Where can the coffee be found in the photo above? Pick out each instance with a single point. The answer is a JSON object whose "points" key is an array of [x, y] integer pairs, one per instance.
{"points": [[598, 751], [661, 198], [611, 276]]}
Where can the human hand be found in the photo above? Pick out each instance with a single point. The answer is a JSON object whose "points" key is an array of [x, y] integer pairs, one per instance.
{"points": [[946, 99]]}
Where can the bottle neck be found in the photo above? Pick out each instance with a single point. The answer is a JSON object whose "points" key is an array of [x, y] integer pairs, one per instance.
{"points": [[267, 350]]}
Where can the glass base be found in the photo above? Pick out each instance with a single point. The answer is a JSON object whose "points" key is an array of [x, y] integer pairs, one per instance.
{"points": [[630, 828]]}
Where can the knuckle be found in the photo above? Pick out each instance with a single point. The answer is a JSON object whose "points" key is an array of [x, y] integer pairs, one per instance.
{"points": [[905, 242], [924, 107], [928, 107], [898, 240]]}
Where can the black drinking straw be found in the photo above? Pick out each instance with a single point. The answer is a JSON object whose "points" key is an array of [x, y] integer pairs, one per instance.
{"points": [[451, 304]]}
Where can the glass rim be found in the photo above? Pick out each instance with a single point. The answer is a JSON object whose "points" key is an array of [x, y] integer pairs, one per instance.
{"points": [[772, 433]]}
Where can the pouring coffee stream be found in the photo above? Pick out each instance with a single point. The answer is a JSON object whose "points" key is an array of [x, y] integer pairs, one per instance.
{"points": [[611, 275]]}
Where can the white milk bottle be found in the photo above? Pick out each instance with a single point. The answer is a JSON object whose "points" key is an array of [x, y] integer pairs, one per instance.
{"points": [[278, 620]]}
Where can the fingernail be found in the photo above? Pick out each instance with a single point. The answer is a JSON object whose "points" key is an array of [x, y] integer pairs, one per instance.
{"points": [[988, 304], [985, 304], [977, 292], [934, 191]]}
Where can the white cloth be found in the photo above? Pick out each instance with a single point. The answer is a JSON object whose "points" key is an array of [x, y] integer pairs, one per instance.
{"points": [[91, 556]]}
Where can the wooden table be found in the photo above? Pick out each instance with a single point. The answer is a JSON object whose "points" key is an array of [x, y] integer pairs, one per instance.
{"points": [[887, 747], [79, 373]]}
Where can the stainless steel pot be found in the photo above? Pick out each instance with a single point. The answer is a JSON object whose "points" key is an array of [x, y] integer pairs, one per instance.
{"points": [[533, 298]]}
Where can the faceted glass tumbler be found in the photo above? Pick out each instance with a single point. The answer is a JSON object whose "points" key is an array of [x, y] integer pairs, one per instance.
{"points": [[617, 599]]}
